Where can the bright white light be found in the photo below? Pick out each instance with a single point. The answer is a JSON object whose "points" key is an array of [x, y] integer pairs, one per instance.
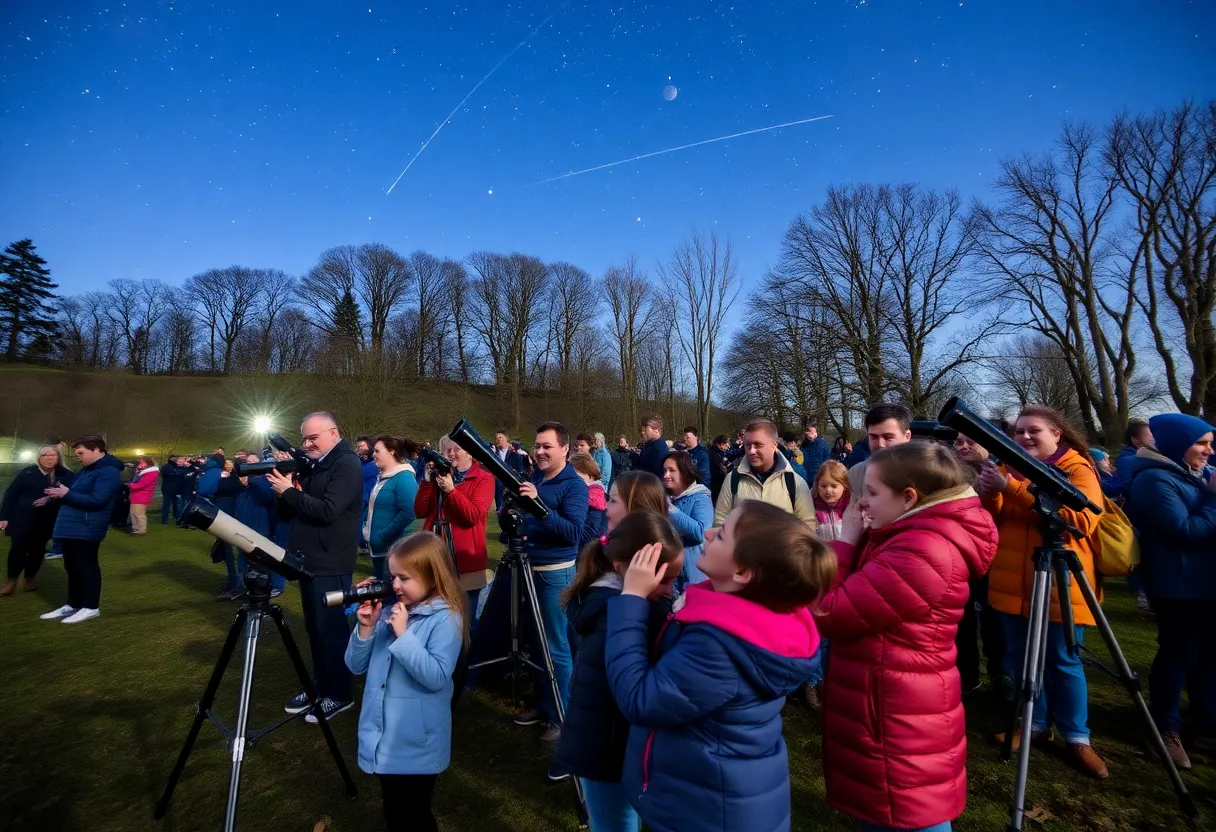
{"points": [[262, 424], [139, 451], [27, 456]]}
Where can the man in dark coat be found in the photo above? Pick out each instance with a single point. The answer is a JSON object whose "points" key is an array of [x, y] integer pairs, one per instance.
{"points": [[815, 451], [324, 516], [650, 454], [700, 456]]}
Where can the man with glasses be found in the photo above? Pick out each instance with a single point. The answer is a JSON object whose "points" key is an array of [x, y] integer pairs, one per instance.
{"points": [[324, 527]]}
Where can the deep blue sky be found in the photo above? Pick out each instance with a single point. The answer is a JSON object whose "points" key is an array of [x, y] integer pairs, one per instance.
{"points": [[160, 139]]}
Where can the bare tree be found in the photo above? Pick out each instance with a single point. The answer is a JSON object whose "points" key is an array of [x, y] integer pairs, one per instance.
{"points": [[430, 292], [1166, 163], [576, 306], [278, 294], [456, 291], [135, 307], [1048, 254], [628, 295], [1032, 369], [226, 299], [374, 274], [702, 278]]}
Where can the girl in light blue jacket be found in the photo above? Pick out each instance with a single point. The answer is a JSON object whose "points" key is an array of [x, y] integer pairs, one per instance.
{"points": [[409, 651]]}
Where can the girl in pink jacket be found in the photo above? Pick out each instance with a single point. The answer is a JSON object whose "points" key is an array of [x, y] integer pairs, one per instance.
{"points": [[142, 486]]}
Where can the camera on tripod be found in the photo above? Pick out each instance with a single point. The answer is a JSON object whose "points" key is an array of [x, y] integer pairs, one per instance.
{"points": [[285, 467], [372, 591], [443, 467]]}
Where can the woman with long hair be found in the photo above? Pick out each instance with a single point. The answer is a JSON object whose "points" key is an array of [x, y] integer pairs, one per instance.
{"points": [[28, 517], [390, 506], [1047, 436], [634, 491], [691, 510]]}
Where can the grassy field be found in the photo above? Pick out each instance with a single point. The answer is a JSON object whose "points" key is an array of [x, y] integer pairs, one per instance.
{"points": [[92, 718]]}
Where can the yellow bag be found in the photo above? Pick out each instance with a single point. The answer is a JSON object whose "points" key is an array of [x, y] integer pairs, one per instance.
{"points": [[1116, 550]]}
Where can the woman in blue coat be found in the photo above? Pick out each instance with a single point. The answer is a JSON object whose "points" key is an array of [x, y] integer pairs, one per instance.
{"points": [[1174, 510], [408, 652], [691, 510], [390, 507]]}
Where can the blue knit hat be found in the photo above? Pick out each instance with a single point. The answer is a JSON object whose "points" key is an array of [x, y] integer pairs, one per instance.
{"points": [[1098, 454], [1174, 433]]}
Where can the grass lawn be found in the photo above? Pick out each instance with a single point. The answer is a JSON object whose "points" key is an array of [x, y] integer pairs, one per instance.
{"points": [[92, 718]]}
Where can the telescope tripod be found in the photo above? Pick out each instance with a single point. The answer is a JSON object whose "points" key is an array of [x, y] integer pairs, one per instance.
{"points": [[514, 571], [249, 620], [1053, 560]]}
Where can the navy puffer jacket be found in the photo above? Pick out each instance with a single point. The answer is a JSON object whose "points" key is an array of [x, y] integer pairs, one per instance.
{"points": [[85, 513]]}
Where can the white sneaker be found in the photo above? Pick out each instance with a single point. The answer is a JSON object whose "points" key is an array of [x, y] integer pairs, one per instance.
{"points": [[81, 615], [62, 612]]}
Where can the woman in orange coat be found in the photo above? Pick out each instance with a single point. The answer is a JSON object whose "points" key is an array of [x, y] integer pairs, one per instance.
{"points": [[1047, 436]]}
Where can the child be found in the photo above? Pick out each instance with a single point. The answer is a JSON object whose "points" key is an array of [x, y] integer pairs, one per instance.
{"points": [[831, 493], [592, 746], [894, 737], [408, 652], [589, 472], [705, 749]]}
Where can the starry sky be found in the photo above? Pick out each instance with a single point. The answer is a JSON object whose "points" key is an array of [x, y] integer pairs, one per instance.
{"points": [[159, 139]]}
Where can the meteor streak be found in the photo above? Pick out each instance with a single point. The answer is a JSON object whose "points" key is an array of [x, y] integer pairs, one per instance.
{"points": [[674, 149], [476, 86]]}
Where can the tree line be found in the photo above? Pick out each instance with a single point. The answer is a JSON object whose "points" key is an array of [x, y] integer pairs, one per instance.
{"points": [[1089, 256]]}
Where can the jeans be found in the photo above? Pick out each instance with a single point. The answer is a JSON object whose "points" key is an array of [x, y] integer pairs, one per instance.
{"points": [[944, 826], [84, 573], [171, 502], [328, 634], [1186, 658], [549, 586], [277, 581], [407, 802], [236, 577], [1064, 695], [607, 807], [26, 554]]}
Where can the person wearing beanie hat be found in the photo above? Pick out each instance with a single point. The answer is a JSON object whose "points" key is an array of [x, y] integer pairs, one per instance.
{"points": [[1173, 509]]}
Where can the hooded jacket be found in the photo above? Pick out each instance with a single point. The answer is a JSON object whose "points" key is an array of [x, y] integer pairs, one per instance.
{"points": [[650, 455], [143, 486], [466, 509], [1174, 514], [595, 523], [1012, 573], [773, 491], [18, 505], [894, 732], [405, 724], [705, 750], [603, 460], [815, 452], [556, 538], [85, 513], [700, 456], [692, 513], [830, 519]]}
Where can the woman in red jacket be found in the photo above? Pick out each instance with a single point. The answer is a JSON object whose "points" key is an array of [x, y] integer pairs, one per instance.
{"points": [[463, 499], [142, 486], [895, 744]]}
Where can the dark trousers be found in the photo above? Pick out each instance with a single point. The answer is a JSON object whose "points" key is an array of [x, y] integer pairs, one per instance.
{"points": [[328, 634], [1185, 660], [979, 619], [407, 802], [84, 573], [171, 502], [26, 553]]}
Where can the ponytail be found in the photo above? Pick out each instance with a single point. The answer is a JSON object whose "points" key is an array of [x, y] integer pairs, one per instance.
{"points": [[601, 556]]}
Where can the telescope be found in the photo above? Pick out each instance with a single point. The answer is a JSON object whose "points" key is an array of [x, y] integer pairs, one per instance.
{"points": [[201, 513], [265, 466], [373, 591], [279, 443], [929, 429], [1046, 478], [467, 438], [443, 468]]}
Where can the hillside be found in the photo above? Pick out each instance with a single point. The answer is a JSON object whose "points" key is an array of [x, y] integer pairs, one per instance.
{"points": [[158, 414]]}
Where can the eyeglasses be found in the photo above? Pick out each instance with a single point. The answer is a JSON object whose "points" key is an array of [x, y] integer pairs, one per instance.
{"points": [[312, 439]]}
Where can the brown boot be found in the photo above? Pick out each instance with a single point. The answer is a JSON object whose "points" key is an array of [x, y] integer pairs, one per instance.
{"points": [[1035, 737], [1088, 761], [31, 585], [1173, 744], [9, 587]]}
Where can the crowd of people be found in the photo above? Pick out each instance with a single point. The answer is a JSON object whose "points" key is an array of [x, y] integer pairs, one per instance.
{"points": [[687, 591]]}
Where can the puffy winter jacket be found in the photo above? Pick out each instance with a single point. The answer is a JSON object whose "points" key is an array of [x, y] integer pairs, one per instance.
{"points": [[594, 526], [390, 509], [815, 452], [894, 733], [556, 538], [650, 455], [143, 486], [700, 456], [466, 509], [774, 491], [1012, 572], [85, 513], [830, 519], [405, 724], [705, 750], [692, 513], [1174, 513]]}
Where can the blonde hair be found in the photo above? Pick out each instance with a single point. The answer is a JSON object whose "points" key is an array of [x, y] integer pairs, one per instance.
{"points": [[148, 458], [58, 458], [585, 465], [425, 556], [929, 468], [641, 491], [835, 471]]}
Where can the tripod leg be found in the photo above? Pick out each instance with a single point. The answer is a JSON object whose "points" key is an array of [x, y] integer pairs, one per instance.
{"points": [[1064, 591], [298, 663], [1131, 682], [530, 583], [203, 710], [1034, 661], [253, 627]]}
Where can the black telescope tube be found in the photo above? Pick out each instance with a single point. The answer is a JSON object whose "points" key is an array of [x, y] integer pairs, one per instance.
{"points": [[467, 438]]}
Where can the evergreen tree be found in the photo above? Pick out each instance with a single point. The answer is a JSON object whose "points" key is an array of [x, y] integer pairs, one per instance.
{"points": [[347, 323], [25, 292]]}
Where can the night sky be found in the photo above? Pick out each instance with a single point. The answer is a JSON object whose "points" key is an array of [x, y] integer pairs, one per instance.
{"points": [[160, 139]]}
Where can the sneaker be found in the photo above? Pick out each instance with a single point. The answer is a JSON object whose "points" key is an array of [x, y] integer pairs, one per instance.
{"points": [[331, 708], [557, 773], [62, 612], [532, 716], [83, 614], [1142, 603], [297, 704], [1173, 744], [551, 734], [1088, 761], [54, 556]]}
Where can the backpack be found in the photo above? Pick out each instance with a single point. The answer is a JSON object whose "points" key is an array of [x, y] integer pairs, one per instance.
{"points": [[1116, 550], [790, 488]]}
